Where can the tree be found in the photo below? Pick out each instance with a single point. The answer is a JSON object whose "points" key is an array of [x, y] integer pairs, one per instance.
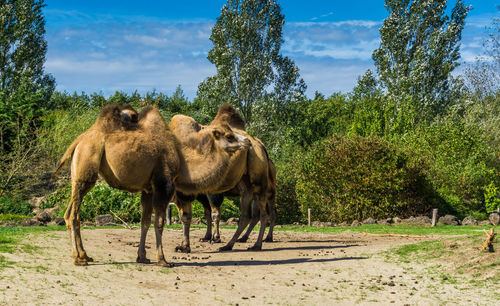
{"points": [[418, 51], [25, 89], [246, 42], [483, 76]]}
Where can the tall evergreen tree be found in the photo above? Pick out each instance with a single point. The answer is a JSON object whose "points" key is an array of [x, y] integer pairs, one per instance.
{"points": [[246, 42], [418, 51], [25, 88]]}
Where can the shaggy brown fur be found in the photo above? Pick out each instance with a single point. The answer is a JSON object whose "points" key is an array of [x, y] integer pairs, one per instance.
{"points": [[248, 176], [140, 156]]}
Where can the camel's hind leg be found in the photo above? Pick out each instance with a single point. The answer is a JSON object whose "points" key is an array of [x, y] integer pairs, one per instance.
{"points": [[264, 218], [245, 207], [203, 199], [272, 222], [147, 208], [184, 204], [215, 204], [84, 169], [161, 196], [253, 222]]}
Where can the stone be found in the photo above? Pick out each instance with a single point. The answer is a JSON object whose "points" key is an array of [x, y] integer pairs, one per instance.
{"points": [[386, 221], [396, 220], [448, 220], [484, 222], [369, 221], [37, 201], [102, 220], [31, 222], [58, 221], [469, 220], [52, 211], [232, 221], [494, 218], [327, 224], [316, 224], [343, 224], [356, 223], [43, 216], [196, 221]]}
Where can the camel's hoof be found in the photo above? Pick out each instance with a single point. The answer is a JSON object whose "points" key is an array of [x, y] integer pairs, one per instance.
{"points": [[205, 239], [225, 248], [81, 262], [268, 239], [216, 240], [164, 263], [183, 249], [143, 260], [89, 259], [255, 248], [242, 239]]}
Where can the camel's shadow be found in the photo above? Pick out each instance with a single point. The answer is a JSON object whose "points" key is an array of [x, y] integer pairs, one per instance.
{"points": [[223, 263]]}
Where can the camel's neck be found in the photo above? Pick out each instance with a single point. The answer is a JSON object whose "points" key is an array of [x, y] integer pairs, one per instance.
{"points": [[201, 169]]}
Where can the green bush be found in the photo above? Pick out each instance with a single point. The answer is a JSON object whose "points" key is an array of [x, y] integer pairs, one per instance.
{"points": [[492, 197], [460, 164], [100, 200], [343, 179], [14, 205]]}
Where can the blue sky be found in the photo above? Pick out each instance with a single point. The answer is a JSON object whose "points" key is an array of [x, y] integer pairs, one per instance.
{"points": [[104, 46]]}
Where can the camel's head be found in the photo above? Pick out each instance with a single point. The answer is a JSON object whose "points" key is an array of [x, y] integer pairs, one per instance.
{"points": [[229, 140]]}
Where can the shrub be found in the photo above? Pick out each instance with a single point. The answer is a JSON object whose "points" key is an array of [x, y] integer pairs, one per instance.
{"points": [[14, 205], [342, 179]]}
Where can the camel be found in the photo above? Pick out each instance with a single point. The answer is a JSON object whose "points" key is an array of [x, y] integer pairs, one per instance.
{"points": [[248, 176], [138, 153], [212, 203]]}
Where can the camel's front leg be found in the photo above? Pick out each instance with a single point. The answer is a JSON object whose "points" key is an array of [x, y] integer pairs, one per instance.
{"points": [[245, 207], [203, 199], [185, 214], [216, 218], [147, 208]]}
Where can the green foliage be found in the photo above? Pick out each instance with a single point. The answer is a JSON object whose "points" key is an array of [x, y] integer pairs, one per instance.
{"points": [[10, 204], [230, 209], [100, 200], [492, 197], [342, 179], [12, 217], [418, 51], [460, 162], [247, 38]]}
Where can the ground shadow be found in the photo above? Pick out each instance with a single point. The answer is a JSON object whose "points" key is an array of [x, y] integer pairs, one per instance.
{"points": [[305, 248], [223, 263]]}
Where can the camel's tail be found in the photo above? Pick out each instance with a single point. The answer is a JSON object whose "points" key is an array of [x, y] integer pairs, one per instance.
{"points": [[67, 156]]}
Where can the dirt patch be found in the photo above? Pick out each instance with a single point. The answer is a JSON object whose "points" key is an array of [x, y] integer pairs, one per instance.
{"points": [[299, 268]]}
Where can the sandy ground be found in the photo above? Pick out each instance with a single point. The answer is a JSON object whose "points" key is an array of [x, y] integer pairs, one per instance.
{"points": [[297, 269]]}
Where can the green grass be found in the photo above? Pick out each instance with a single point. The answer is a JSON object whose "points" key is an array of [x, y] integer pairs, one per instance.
{"points": [[10, 236]]}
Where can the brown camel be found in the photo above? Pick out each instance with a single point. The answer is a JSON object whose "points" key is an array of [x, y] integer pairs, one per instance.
{"points": [[212, 209], [138, 153], [248, 176]]}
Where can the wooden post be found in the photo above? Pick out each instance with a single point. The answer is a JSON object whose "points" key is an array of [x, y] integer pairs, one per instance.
{"points": [[169, 214], [309, 216], [434, 216]]}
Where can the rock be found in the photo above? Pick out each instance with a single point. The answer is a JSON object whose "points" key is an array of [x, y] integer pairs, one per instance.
{"points": [[37, 201], [316, 224], [12, 224], [58, 221], [343, 224], [469, 220], [396, 220], [296, 223], [369, 221], [387, 221], [232, 221], [419, 220], [102, 220], [31, 222], [222, 223], [196, 221], [52, 211], [495, 218], [327, 224], [43, 216], [484, 222], [356, 223], [448, 220], [88, 223]]}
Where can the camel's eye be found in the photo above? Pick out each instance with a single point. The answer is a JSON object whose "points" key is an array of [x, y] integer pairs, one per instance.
{"points": [[217, 134], [231, 138]]}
